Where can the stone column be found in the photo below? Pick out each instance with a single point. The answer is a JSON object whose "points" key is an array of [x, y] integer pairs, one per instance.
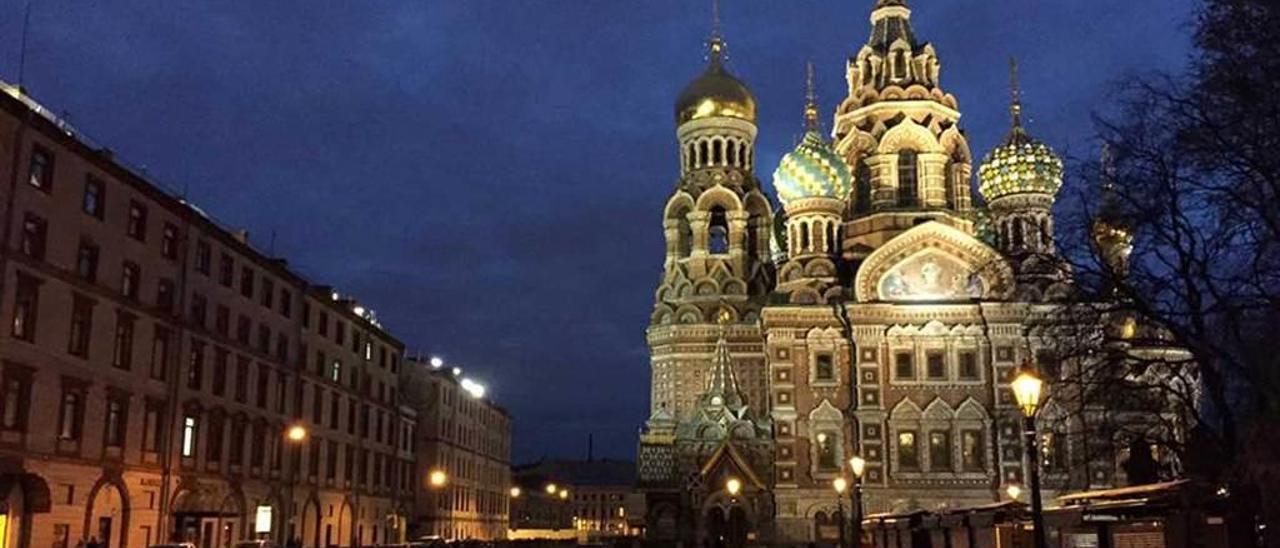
{"points": [[932, 179], [884, 180]]}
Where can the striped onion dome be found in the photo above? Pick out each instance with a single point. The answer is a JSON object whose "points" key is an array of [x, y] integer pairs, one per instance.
{"points": [[812, 170]]}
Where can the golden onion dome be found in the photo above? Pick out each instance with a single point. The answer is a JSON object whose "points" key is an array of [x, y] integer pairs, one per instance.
{"points": [[715, 93]]}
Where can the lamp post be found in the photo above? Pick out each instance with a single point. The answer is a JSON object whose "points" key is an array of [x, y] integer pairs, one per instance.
{"points": [[1026, 390], [858, 466], [840, 484], [437, 479], [295, 435]]}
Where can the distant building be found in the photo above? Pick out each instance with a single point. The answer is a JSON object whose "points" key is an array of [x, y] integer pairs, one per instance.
{"points": [[596, 498], [152, 363], [463, 456]]}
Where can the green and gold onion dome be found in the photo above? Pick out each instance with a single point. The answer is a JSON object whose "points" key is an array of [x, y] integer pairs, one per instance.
{"points": [[813, 170], [1019, 165], [715, 93]]}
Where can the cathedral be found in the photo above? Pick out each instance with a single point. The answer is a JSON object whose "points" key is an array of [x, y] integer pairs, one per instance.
{"points": [[865, 303]]}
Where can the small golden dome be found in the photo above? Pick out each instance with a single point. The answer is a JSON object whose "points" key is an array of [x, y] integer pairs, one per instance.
{"points": [[715, 93]]}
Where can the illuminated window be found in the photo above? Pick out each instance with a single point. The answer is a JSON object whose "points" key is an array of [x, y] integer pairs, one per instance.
{"points": [[169, 242], [972, 451], [69, 419], [130, 280], [137, 227], [908, 451], [41, 170], [117, 421], [827, 459], [25, 304], [939, 450], [188, 436], [718, 240], [81, 326], [34, 236], [87, 261]]}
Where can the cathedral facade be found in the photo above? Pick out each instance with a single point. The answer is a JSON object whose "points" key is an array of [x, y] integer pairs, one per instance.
{"points": [[879, 309]]}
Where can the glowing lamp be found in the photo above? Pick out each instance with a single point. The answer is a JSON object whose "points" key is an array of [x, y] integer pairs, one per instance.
{"points": [[840, 484], [733, 486], [515, 492], [551, 489], [296, 433], [564, 494], [858, 465], [437, 362], [1014, 491], [438, 478], [1026, 391]]}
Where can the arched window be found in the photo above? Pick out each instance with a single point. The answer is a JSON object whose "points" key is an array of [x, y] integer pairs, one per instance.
{"points": [[862, 188], [702, 153], [804, 237], [827, 451], [899, 65], [717, 152], [1045, 236], [831, 238], [753, 239], [908, 195], [692, 159], [1017, 233], [742, 154], [684, 243], [718, 241]]}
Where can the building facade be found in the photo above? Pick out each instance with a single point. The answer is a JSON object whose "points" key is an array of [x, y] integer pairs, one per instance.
{"points": [[879, 310], [155, 365], [463, 456], [600, 498]]}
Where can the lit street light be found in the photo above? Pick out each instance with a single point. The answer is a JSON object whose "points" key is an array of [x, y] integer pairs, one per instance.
{"points": [[841, 485], [515, 492], [858, 466], [733, 486], [1026, 390], [1014, 491], [551, 489], [295, 435], [437, 478]]}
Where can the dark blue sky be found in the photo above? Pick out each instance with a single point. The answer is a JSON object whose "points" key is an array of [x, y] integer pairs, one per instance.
{"points": [[488, 175]]}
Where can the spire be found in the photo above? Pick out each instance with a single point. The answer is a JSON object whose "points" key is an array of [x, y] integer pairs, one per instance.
{"points": [[715, 44], [722, 384], [811, 100], [1015, 91]]}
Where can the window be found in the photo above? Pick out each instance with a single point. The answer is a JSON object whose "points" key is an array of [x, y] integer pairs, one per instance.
{"points": [[903, 366], [908, 192], [264, 377], [117, 420], [222, 320], [862, 188], [95, 199], [286, 303], [130, 281], [335, 374], [199, 309], [195, 365], [246, 282], [34, 235], [16, 394], [972, 451], [935, 366], [189, 425], [159, 347], [908, 452], [268, 293], [1053, 452], [243, 327], [221, 359], [321, 363], [165, 295], [71, 413], [153, 422], [939, 450], [242, 379], [258, 453], [237, 442], [824, 370], [317, 405], [226, 270], [123, 355], [204, 257], [213, 438], [26, 303], [81, 326], [324, 324], [339, 332], [87, 261], [335, 403], [282, 348], [306, 314], [968, 366], [331, 464], [827, 459], [282, 391], [313, 457], [41, 170], [137, 227], [264, 338]]}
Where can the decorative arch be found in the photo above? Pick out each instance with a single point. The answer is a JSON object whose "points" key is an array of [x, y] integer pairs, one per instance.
{"points": [[971, 410], [721, 196], [679, 204], [938, 410], [934, 239], [905, 410], [119, 491], [908, 135], [956, 146]]}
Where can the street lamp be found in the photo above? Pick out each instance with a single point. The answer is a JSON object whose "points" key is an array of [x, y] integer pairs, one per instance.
{"points": [[515, 492], [1026, 390], [437, 478], [840, 484], [551, 489], [295, 435], [858, 466], [1014, 491]]}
